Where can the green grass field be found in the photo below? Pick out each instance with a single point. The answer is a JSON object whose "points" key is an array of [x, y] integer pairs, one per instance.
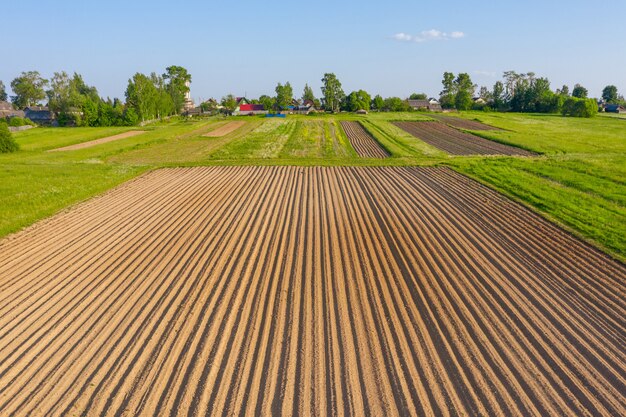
{"points": [[578, 180]]}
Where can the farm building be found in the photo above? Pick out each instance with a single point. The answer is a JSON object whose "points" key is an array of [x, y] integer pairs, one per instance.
{"points": [[249, 110], [614, 108], [7, 111], [40, 115], [430, 105]]}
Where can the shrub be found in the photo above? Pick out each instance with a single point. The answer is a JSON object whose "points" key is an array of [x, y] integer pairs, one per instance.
{"points": [[580, 107], [18, 121], [7, 143]]}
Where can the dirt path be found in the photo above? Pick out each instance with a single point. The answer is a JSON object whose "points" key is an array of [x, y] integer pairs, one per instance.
{"points": [[91, 143], [308, 291], [456, 142], [362, 142], [225, 129]]}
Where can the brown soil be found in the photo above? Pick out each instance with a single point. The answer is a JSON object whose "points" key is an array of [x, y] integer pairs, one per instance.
{"points": [[463, 123], [308, 291], [362, 142], [89, 144], [224, 130], [456, 142]]}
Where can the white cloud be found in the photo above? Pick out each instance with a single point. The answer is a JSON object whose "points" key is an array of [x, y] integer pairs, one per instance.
{"points": [[428, 35]]}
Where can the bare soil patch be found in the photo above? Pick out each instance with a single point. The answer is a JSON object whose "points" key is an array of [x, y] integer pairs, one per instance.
{"points": [[362, 142], [308, 291], [91, 143], [456, 142], [225, 129], [463, 123]]}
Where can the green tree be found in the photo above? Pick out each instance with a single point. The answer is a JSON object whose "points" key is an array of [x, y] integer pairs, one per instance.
{"points": [[396, 104], [268, 102], [229, 103], [580, 107], [332, 92], [418, 96], [464, 90], [3, 92], [29, 89], [579, 91], [284, 95], [177, 84], [448, 94], [308, 94], [357, 100], [378, 103], [498, 96], [59, 93], [564, 91], [7, 143], [142, 95], [609, 94]]}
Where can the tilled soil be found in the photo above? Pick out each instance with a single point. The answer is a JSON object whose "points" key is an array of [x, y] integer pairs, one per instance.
{"points": [[463, 123], [308, 291], [91, 143], [456, 142], [362, 142], [225, 129]]}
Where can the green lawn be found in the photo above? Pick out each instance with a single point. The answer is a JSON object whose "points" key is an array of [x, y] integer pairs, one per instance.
{"points": [[578, 180]]}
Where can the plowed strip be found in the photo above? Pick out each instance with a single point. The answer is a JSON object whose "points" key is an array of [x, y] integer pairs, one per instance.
{"points": [[463, 123], [225, 129], [362, 142], [456, 142], [308, 291], [91, 143]]}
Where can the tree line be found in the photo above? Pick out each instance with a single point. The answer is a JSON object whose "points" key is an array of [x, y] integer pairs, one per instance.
{"points": [[77, 104], [333, 99], [522, 92]]}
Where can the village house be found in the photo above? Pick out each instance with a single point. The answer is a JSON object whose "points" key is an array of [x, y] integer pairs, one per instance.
{"points": [[614, 108], [430, 105], [7, 111], [40, 115]]}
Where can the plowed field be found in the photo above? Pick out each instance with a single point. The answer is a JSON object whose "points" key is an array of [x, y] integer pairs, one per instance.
{"points": [[456, 142], [308, 291], [225, 129], [91, 143], [362, 142], [463, 123]]}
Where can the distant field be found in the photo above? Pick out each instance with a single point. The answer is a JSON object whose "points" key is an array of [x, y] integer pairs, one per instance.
{"points": [[578, 180]]}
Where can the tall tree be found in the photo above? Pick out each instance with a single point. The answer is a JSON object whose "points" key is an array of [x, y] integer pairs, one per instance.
{"points": [[284, 95], [177, 84], [418, 96], [3, 92], [332, 92], [564, 91], [378, 103], [609, 94], [498, 96], [357, 100], [141, 94], [579, 91], [268, 102], [308, 94], [59, 93], [465, 89], [29, 89], [229, 103], [448, 94]]}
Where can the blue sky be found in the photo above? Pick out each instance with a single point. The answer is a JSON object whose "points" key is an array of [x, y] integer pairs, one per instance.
{"points": [[387, 47]]}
